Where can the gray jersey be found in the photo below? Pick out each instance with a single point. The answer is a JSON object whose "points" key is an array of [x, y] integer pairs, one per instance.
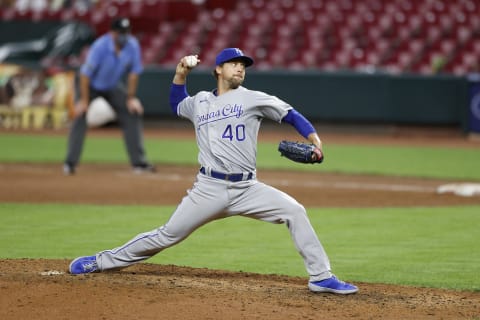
{"points": [[227, 126]]}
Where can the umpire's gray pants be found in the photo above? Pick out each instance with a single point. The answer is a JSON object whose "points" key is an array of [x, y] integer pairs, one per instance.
{"points": [[131, 125]]}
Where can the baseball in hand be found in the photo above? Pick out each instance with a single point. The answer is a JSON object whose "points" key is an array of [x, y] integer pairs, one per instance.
{"points": [[191, 61]]}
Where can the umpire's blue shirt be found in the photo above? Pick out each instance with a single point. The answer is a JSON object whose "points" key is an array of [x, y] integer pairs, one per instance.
{"points": [[105, 68]]}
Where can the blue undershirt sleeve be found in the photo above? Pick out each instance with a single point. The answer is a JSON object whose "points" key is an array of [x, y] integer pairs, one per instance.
{"points": [[299, 122], [178, 92]]}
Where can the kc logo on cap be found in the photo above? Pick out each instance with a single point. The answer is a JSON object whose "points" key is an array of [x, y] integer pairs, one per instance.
{"points": [[229, 54]]}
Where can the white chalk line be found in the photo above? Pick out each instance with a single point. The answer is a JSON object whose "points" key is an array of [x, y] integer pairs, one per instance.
{"points": [[351, 185], [354, 185]]}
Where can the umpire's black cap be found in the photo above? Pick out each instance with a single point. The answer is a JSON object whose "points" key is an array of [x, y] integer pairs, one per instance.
{"points": [[121, 25]]}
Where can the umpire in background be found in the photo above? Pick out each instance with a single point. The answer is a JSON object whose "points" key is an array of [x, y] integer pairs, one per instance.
{"points": [[112, 57]]}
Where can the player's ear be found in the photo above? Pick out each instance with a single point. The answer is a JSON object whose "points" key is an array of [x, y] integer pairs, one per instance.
{"points": [[218, 70]]}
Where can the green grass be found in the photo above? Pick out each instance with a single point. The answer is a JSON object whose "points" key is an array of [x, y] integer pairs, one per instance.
{"points": [[432, 247], [429, 162]]}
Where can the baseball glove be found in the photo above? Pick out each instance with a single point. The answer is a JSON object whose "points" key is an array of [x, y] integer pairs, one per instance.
{"points": [[300, 152]]}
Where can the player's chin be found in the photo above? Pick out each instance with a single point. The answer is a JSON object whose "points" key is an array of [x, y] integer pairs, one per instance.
{"points": [[236, 82]]}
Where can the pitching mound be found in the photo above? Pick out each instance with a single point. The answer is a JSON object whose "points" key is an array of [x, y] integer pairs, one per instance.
{"points": [[41, 289]]}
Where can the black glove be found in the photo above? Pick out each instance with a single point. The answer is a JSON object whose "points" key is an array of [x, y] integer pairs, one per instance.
{"points": [[300, 152]]}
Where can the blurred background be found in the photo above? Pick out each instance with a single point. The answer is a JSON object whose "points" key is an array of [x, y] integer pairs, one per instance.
{"points": [[342, 61]]}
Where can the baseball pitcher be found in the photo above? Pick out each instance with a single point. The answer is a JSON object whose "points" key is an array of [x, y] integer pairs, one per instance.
{"points": [[226, 122]]}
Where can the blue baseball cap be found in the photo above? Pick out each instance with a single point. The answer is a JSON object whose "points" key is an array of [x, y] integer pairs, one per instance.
{"points": [[229, 54]]}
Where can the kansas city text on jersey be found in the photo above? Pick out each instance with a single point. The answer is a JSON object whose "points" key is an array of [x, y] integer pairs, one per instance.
{"points": [[227, 111]]}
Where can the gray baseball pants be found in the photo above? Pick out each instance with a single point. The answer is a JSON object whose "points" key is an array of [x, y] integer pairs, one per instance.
{"points": [[211, 199]]}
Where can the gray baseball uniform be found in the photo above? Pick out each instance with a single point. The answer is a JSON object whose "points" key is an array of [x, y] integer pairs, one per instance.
{"points": [[226, 131]]}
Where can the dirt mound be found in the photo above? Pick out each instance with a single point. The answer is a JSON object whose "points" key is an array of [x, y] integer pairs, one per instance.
{"points": [[42, 289]]}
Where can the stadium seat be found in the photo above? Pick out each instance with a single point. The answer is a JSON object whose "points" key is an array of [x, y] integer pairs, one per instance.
{"points": [[389, 34]]}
